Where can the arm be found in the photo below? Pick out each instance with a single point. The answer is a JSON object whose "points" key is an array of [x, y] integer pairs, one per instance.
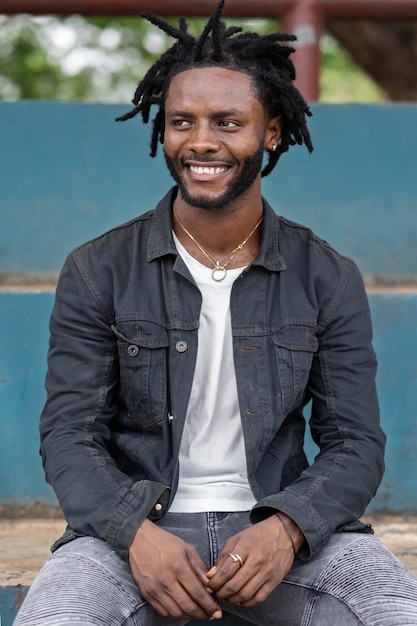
{"points": [[97, 498], [344, 476]]}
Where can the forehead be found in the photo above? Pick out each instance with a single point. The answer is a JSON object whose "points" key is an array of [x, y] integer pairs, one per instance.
{"points": [[212, 88]]}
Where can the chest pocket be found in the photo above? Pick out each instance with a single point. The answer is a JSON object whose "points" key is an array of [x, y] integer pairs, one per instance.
{"points": [[142, 348], [295, 346]]}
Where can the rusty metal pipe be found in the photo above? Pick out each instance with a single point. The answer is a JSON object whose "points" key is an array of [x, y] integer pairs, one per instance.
{"points": [[370, 9], [346, 9], [305, 21]]}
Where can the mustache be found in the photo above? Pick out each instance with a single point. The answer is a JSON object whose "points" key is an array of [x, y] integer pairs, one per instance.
{"points": [[205, 160]]}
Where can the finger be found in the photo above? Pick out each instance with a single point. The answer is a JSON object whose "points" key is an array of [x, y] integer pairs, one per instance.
{"points": [[234, 584], [252, 592], [175, 603], [227, 567], [196, 603], [197, 592], [179, 593], [245, 599], [198, 566]]}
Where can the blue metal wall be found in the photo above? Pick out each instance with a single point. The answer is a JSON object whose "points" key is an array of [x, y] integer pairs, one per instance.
{"points": [[68, 173]]}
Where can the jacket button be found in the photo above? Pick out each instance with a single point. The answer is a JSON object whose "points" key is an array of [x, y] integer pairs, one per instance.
{"points": [[181, 346], [158, 507], [133, 350]]}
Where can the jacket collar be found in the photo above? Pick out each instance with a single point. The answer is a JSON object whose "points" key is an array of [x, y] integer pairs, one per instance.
{"points": [[161, 241]]}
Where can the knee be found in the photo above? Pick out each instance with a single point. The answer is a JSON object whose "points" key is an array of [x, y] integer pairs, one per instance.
{"points": [[74, 589]]}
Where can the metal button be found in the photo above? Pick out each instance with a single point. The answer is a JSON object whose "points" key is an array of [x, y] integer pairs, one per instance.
{"points": [[170, 418], [158, 507], [133, 350], [181, 346]]}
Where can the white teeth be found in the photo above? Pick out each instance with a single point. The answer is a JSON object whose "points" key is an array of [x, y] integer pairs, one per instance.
{"points": [[211, 171]]}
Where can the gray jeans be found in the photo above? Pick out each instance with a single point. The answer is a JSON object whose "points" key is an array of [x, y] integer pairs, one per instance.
{"points": [[354, 580]]}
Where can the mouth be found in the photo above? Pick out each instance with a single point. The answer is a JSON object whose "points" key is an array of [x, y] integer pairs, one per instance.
{"points": [[208, 170]]}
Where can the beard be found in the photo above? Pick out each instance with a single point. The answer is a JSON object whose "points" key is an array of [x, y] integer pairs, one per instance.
{"points": [[248, 174]]}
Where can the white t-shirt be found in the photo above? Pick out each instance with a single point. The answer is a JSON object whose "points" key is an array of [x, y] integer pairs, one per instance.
{"points": [[212, 461]]}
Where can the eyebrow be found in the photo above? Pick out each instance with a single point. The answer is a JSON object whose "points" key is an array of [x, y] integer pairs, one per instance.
{"points": [[188, 114]]}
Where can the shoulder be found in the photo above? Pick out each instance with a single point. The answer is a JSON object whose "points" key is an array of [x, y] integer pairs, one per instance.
{"points": [[118, 236], [299, 241], [130, 239], [293, 233], [315, 267]]}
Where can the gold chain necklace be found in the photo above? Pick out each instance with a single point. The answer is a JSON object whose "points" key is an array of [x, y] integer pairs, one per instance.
{"points": [[219, 271]]}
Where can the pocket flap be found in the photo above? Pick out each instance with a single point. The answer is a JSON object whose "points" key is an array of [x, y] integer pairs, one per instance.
{"points": [[296, 337], [143, 334]]}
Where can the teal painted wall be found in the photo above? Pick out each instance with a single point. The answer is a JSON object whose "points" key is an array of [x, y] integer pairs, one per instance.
{"points": [[68, 173], [23, 346]]}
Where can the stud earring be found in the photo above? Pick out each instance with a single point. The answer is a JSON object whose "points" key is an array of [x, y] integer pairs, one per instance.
{"points": [[273, 148]]}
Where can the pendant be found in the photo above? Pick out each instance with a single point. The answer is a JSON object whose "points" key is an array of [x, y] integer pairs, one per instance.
{"points": [[219, 273]]}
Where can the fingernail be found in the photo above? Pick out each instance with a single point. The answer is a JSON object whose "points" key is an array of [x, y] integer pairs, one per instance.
{"points": [[216, 615]]}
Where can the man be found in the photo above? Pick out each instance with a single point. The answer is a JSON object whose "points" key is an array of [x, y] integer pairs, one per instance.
{"points": [[184, 347]]}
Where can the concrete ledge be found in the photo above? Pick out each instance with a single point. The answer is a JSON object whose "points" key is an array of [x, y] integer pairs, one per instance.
{"points": [[24, 546]]}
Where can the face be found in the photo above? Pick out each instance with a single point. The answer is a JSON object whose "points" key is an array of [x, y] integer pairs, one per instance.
{"points": [[216, 130]]}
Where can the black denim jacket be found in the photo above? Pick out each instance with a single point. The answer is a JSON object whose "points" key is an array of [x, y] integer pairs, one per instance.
{"points": [[124, 333]]}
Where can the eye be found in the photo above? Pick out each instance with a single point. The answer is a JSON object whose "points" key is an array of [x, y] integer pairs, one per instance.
{"points": [[229, 124], [180, 124]]}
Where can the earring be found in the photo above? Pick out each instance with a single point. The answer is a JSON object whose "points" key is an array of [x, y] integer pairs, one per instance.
{"points": [[273, 148]]}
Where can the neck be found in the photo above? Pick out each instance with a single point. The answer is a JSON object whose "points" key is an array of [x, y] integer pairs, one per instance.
{"points": [[220, 231]]}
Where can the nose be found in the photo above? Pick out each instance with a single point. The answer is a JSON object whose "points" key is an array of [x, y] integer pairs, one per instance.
{"points": [[203, 139]]}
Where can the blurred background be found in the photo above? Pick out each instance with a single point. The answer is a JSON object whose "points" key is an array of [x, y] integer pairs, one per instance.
{"points": [[102, 59]]}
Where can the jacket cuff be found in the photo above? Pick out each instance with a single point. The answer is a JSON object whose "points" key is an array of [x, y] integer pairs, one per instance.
{"points": [[145, 499], [299, 509]]}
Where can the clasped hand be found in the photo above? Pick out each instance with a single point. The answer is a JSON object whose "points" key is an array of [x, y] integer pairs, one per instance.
{"points": [[173, 578]]}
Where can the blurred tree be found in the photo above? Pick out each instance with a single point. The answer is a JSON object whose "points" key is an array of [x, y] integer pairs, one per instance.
{"points": [[341, 79], [386, 50], [103, 59]]}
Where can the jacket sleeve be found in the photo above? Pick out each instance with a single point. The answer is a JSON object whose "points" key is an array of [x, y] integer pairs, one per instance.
{"points": [[335, 489], [97, 498]]}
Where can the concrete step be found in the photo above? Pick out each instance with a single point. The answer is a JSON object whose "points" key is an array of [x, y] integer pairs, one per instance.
{"points": [[24, 546]]}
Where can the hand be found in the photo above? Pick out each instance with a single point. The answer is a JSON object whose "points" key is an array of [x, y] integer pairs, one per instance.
{"points": [[171, 575], [267, 554]]}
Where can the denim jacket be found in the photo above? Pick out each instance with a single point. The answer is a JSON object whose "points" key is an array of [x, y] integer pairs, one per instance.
{"points": [[124, 335]]}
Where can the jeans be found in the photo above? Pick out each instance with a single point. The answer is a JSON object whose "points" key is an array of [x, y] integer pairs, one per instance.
{"points": [[354, 580]]}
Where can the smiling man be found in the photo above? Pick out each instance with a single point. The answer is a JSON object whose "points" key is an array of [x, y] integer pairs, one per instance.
{"points": [[185, 348], [215, 141]]}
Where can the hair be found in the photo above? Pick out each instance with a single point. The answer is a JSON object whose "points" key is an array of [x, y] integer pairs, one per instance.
{"points": [[262, 57]]}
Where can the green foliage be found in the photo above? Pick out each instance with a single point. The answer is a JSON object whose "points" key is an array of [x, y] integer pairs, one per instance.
{"points": [[103, 59], [341, 80]]}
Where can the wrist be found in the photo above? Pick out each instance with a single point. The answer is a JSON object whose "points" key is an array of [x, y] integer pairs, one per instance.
{"points": [[292, 530]]}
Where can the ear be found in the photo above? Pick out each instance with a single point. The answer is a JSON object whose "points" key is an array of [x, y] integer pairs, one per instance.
{"points": [[273, 133]]}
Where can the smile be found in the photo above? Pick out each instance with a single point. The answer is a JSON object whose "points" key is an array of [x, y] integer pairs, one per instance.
{"points": [[211, 171]]}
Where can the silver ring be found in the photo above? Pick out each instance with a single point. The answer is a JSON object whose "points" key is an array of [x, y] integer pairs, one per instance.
{"points": [[236, 558]]}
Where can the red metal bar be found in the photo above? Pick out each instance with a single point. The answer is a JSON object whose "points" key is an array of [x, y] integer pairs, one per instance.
{"points": [[304, 19], [347, 9], [370, 9]]}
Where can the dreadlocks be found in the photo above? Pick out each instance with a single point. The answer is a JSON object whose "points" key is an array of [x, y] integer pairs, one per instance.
{"points": [[262, 57]]}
